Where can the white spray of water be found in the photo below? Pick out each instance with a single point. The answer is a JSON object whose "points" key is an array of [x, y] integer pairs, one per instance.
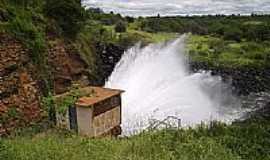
{"points": [[157, 84]]}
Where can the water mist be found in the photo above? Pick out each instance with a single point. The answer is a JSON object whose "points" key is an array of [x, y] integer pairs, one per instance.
{"points": [[158, 84]]}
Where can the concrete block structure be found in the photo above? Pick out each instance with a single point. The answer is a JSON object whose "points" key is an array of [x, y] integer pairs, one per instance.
{"points": [[100, 115], [96, 115]]}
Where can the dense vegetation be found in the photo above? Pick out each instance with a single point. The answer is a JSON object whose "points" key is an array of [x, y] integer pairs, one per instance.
{"points": [[38, 23], [218, 52], [252, 28], [228, 41]]}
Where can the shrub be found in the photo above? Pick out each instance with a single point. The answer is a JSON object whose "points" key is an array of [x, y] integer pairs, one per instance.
{"points": [[68, 14], [233, 33], [25, 30], [120, 27], [260, 32], [22, 25]]}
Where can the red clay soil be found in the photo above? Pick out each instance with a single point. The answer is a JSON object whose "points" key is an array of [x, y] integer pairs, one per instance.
{"points": [[18, 88]]}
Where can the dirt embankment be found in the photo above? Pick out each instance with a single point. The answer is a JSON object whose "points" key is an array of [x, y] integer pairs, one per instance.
{"points": [[19, 94], [21, 89]]}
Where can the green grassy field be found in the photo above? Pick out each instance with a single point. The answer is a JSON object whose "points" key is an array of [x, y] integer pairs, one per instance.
{"points": [[132, 36], [219, 52]]}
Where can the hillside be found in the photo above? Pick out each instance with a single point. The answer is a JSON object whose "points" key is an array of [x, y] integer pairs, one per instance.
{"points": [[48, 47]]}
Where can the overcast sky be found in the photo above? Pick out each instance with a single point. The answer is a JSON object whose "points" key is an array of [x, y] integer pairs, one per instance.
{"points": [[181, 7]]}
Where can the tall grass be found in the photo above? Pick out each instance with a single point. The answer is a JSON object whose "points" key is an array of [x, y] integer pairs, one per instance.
{"points": [[214, 142]]}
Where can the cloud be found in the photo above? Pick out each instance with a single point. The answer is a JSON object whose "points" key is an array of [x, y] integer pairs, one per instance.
{"points": [[180, 7]]}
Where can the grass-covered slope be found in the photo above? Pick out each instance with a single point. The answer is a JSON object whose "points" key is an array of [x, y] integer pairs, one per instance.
{"points": [[215, 142], [132, 35]]}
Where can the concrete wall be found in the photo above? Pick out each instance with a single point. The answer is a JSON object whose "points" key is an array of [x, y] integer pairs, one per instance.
{"points": [[101, 119], [105, 122], [85, 121]]}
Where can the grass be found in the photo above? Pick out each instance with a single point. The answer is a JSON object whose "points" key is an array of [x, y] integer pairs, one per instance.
{"points": [[27, 25], [154, 37], [218, 52], [214, 142], [132, 36]]}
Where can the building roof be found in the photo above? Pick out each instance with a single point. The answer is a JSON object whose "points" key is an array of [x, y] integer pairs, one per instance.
{"points": [[99, 94]]}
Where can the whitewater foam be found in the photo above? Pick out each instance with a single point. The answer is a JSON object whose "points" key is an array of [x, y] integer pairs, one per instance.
{"points": [[158, 84]]}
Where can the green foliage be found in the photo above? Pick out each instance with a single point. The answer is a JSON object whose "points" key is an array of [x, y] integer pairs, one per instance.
{"points": [[131, 37], [255, 28], [12, 113], [218, 52], [69, 15], [4, 150], [61, 103], [68, 100], [120, 27], [96, 14], [25, 22], [216, 141], [48, 106], [256, 31], [21, 2], [84, 44], [232, 33], [22, 26]]}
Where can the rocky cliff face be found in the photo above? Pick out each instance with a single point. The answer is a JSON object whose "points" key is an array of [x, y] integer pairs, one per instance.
{"points": [[19, 93], [21, 89], [108, 56], [67, 66]]}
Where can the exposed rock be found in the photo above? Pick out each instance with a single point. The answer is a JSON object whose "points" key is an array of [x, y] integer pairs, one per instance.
{"points": [[259, 105], [19, 92], [67, 66], [108, 56], [20, 88], [244, 80]]}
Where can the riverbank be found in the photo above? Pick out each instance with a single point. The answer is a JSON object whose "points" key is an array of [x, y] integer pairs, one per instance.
{"points": [[242, 64]]}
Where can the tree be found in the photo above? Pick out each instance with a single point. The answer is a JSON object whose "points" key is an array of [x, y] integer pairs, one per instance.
{"points": [[233, 33], [68, 14], [120, 26], [130, 19]]}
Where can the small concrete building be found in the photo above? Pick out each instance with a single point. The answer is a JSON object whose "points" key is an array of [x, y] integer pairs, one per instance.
{"points": [[96, 115], [100, 115]]}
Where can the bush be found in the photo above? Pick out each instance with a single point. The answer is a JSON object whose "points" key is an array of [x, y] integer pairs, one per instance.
{"points": [[120, 27], [68, 14], [260, 32], [233, 33], [22, 25]]}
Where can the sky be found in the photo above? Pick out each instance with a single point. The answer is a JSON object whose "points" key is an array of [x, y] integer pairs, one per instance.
{"points": [[180, 7]]}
